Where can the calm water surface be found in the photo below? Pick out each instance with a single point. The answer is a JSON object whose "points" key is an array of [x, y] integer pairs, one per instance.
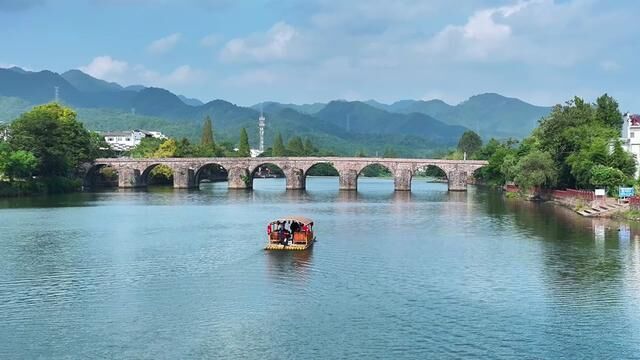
{"points": [[168, 274]]}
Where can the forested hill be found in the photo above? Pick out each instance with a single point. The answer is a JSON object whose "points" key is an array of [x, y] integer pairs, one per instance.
{"points": [[411, 128], [491, 115]]}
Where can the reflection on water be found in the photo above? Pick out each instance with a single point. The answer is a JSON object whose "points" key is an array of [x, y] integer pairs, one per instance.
{"points": [[421, 274]]}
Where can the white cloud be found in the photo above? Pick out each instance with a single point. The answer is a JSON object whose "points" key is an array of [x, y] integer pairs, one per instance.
{"points": [[182, 75], [485, 33], [106, 67], [211, 40], [278, 43], [164, 44]]}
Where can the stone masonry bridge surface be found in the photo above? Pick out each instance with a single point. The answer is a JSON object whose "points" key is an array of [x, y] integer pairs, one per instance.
{"points": [[133, 173]]}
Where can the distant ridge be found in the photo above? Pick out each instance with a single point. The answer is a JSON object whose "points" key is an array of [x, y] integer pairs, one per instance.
{"points": [[413, 127]]}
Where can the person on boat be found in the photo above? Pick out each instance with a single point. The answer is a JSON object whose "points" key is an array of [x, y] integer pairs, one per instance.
{"points": [[295, 227]]}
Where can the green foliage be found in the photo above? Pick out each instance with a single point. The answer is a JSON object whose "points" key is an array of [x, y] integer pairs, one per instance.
{"points": [[470, 142], [607, 177], [577, 136], [167, 149], [243, 149], [18, 164], [502, 157], [278, 149], [608, 113], [207, 142], [535, 169], [147, 147], [375, 170], [54, 136], [322, 169], [433, 172], [509, 166], [309, 148], [295, 147], [622, 160]]}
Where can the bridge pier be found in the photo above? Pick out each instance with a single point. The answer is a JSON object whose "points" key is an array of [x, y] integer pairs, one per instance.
{"points": [[130, 178], [295, 179], [240, 178], [348, 179], [402, 180], [457, 180], [184, 178]]}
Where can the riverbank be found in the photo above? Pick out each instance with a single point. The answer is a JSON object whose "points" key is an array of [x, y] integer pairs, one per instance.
{"points": [[608, 208], [39, 187]]}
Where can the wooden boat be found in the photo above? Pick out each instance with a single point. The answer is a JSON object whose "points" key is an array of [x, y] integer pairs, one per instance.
{"points": [[290, 233]]}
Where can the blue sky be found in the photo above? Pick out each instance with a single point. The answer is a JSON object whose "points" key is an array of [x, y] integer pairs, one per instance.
{"points": [[542, 51]]}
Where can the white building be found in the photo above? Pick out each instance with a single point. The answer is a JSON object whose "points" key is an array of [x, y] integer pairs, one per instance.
{"points": [[127, 140], [631, 137]]}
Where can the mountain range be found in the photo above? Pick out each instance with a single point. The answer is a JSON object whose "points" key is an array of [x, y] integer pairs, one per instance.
{"points": [[410, 127]]}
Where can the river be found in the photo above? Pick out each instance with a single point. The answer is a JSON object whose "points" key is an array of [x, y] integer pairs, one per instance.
{"points": [[165, 274]]}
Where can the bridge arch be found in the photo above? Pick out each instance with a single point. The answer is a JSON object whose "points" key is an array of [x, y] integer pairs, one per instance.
{"points": [[323, 169], [101, 176], [157, 174], [432, 172], [211, 171], [268, 170], [375, 170]]}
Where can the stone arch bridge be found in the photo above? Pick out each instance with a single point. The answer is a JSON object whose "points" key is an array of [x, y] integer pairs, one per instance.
{"points": [[133, 173]]}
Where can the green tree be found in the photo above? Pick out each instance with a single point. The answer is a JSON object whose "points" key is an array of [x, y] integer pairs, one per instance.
{"points": [[147, 147], [469, 142], [278, 146], [509, 167], [243, 149], [295, 146], [536, 169], [167, 149], [53, 135], [582, 160], [607, 177], [185, 149], [19, 164], [207, 141], [309, 148], [622, 160], [608, 112]]}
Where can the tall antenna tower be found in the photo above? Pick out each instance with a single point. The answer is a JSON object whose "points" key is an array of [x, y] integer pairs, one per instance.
{"points": [[56, 94], [261, 126]]}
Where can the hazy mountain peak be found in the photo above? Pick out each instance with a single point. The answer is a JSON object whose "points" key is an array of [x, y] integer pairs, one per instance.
{"points": [[18, 69], [190, 101], [87, 83]]}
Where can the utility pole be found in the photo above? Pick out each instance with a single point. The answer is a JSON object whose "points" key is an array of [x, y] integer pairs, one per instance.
{"points": [[56, 94]]}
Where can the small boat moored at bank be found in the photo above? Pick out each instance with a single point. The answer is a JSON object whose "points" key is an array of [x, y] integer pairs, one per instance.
{"points": [[290, 233]]}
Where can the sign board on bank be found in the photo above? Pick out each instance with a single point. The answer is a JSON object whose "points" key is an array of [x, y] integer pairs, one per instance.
{"points": [[600, 192], [625, 192]]}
